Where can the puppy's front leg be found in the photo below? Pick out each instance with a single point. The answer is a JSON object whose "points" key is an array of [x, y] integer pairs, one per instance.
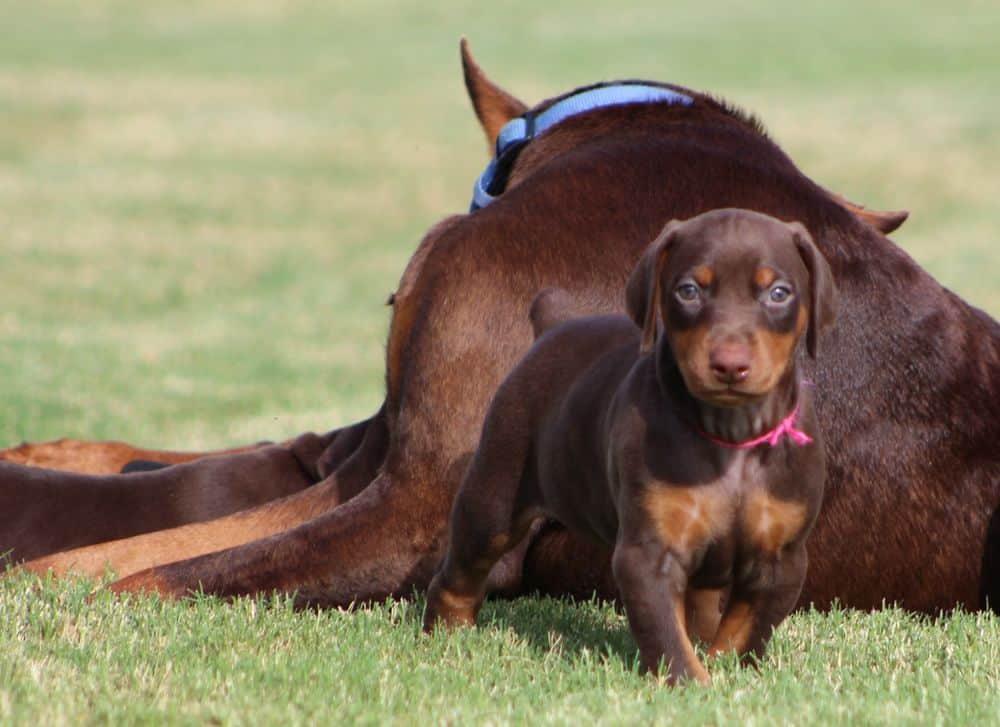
{"points": [[754, 610], [652, 583], [703, 609]]}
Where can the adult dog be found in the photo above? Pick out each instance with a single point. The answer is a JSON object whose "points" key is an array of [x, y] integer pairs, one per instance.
{"points": [[908, 387]]}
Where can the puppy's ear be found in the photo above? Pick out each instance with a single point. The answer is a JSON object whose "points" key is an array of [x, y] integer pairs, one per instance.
{"points": [[642, 294], [822, 291]]}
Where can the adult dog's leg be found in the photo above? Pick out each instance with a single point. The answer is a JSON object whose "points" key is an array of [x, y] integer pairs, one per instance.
{"points": [[129, 555], [107, 458], [386, 541], [100, 458], [45, 511], [371, 437]]}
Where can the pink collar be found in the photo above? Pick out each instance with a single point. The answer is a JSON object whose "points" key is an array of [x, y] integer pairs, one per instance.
{"points": [[771, 438]]}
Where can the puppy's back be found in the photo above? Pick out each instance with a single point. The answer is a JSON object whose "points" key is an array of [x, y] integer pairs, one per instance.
{"points": [[567, 345]]}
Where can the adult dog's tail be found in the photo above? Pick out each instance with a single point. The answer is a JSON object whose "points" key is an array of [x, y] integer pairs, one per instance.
{"points": [[551, 307]]}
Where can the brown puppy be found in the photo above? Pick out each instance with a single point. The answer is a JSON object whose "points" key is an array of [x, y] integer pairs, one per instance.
{"points": [[681, 450]]}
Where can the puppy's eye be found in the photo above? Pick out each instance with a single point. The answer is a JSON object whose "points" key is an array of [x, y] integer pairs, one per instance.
{"points": [[779, 294], [687, 292]]}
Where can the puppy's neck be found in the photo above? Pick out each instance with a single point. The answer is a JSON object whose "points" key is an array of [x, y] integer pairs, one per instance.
{"points": [[733, 424]]}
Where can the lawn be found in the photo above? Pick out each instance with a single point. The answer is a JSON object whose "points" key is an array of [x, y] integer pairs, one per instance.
{"points": [[202, 211], [532, 661]]}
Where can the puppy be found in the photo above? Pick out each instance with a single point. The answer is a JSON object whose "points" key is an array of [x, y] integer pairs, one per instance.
{"points": [[689, 444]]}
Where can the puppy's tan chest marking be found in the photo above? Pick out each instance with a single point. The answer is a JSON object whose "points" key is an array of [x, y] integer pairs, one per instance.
{"points": [[688, 518], [769, 522]]}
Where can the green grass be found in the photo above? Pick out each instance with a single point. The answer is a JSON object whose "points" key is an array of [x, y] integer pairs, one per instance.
{"points": [[531, 661], [202, 210]]}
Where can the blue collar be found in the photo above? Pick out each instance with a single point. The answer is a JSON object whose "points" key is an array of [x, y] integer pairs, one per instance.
{"points": [[518, 132]]}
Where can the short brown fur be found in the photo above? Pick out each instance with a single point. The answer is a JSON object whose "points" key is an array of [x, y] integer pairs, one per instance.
{"points": [[929, 364]]}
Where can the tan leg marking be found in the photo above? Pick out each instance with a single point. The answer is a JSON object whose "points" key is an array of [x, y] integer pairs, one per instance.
{"points": [[703, 613], [734, 631], [457, 610], [693, 664]]}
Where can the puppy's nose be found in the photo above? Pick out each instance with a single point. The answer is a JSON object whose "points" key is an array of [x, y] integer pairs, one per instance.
{"points": [[730, 363]]}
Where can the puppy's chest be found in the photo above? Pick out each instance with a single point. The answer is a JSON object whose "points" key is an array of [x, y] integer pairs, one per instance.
{"points": [[738, 516]]}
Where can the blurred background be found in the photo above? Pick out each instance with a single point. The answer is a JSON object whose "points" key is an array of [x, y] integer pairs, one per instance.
{"points": [[203, 206]]}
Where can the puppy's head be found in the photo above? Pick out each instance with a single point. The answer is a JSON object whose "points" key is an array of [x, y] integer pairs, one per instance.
{"points": [[732, 291]]}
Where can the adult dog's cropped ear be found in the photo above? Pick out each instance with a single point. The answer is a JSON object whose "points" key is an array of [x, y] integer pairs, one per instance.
{"points": [[885, 221], [822, 290], [642, 294], [494, 106]]}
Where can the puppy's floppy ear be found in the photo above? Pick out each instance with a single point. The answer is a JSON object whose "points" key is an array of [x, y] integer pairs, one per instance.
{"points": [[822, 291], [642, 294]]}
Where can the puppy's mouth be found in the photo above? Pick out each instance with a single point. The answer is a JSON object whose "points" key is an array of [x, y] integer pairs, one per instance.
{"points": [[725, 395], [728, 396]]}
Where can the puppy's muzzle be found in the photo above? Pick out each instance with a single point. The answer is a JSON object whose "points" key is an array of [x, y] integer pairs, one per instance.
{"points": [[730, 363]]}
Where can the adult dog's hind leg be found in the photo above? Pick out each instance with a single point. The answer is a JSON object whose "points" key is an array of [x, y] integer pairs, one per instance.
{"points": [[113, 457], [322, 454], [45, 511], [101, 458], [129, 555], [385, 541]]}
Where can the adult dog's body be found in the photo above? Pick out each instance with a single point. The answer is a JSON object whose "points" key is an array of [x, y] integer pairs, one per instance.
{"points": [[909, 385]]}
